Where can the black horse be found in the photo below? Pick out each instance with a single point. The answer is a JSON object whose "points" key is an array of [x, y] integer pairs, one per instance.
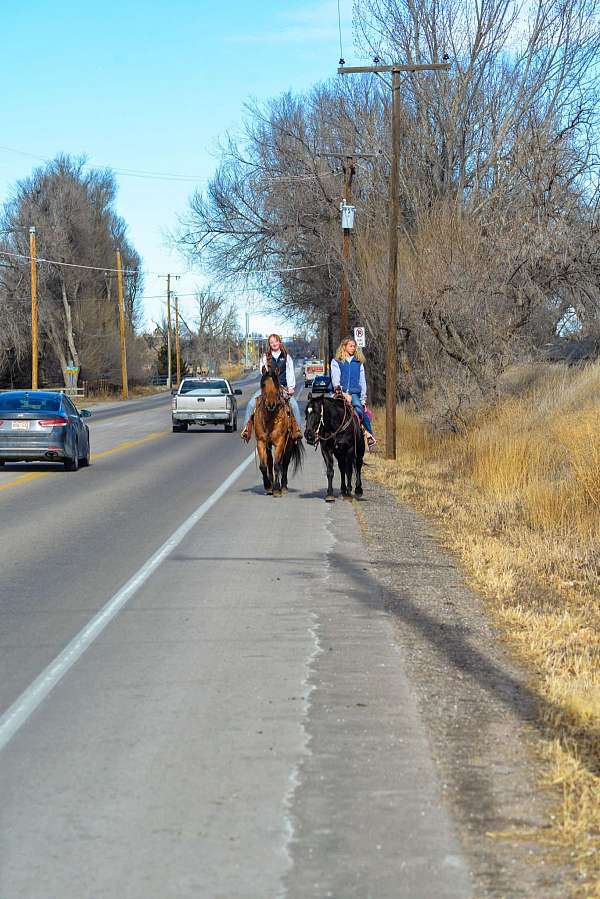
{"points": [[332, 424]]}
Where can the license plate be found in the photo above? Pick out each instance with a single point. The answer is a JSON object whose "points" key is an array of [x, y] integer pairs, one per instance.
{"points": [[20, 425]]}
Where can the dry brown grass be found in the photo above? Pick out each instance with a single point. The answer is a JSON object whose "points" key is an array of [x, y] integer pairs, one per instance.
{"points": [[518, 496], [232, 372]]}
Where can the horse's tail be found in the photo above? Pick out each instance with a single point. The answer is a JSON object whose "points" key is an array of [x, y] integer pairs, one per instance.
{"points": [[296, 456]]}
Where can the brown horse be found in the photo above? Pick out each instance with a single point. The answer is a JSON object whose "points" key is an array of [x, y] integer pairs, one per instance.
{"points": [[273, 429]]}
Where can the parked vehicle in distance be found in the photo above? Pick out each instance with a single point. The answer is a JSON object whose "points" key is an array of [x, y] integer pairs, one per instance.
{"points": [[204, 401], [43, 426], [311, 369], [321, 384]]}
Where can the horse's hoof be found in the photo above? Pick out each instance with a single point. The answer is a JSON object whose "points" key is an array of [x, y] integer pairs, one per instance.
{"points": [[358, 493], [330, 499], [348, 496], [276, 493], [284, 489], [269, 491]]}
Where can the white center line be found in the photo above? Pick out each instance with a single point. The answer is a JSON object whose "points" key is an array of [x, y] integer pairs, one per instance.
{"points": [[21, 710]]}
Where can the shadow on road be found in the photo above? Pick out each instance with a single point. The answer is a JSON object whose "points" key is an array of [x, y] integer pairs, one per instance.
{"points": [[452, 642]]}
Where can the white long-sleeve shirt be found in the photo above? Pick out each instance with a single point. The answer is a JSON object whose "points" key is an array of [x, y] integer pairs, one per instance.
{"points": [[290, 374], [336, 376]]}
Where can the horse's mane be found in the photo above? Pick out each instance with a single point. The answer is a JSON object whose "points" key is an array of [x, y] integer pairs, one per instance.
{"points": [[269, 374]]}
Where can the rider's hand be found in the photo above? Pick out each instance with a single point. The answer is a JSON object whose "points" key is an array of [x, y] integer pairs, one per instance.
{"points": [[291, 391], [347, 397]]}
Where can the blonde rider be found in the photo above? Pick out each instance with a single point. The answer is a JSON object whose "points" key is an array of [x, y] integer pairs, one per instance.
{"points": [[348, 374]]}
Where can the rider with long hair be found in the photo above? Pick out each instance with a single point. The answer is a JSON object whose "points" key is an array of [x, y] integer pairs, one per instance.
{"points": [[276, 359], [348, 375]]}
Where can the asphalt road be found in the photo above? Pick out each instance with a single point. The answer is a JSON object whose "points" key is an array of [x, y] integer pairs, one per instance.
{"points": [[235, 721]]}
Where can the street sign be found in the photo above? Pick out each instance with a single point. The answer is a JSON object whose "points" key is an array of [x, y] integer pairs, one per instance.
{"points": [[72, 373], [360, 337]]}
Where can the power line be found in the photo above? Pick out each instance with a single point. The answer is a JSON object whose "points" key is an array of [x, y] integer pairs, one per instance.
{"points": [[134, 173], [102, 268]]}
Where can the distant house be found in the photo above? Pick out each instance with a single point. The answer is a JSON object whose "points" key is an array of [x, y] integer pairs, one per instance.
{"points": [[573, 352]]}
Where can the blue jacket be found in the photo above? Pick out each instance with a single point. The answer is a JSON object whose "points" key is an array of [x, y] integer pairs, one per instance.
{"points": [[350, 376]]}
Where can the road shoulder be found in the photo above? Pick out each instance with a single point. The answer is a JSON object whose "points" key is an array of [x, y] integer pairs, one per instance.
{"points": [[479, 713], [367, 814]]}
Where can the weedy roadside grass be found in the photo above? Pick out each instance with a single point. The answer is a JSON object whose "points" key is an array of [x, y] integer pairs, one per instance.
{"points": [[517, 496], [232, 372]]}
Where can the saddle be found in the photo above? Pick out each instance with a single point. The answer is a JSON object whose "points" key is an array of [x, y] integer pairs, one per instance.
{"points": [[338, 394]]}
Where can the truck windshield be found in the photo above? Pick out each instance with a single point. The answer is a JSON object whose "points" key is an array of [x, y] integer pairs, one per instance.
{"points": [[204, 388]]}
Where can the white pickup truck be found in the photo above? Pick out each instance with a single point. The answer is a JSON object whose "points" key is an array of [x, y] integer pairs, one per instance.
{"points": [[204, 401]]}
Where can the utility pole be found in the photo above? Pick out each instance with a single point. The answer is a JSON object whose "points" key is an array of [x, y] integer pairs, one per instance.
{"points": [[122, 344], [349, 170], [169, 373], [34, 313], [169, 328], [247, 361], [177, 344], [391, 362]]}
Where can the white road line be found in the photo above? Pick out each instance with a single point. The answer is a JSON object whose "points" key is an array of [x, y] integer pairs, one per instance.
{"points": [[21, 710]]}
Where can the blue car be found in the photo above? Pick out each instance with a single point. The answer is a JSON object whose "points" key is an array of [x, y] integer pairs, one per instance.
{"points": [[43, 426], [321, 384]]}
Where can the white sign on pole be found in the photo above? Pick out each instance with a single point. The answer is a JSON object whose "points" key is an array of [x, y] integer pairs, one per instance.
{"points": [[359, 337]]}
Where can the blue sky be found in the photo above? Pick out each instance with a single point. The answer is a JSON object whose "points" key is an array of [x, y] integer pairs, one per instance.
{"points": [[151, 87]]}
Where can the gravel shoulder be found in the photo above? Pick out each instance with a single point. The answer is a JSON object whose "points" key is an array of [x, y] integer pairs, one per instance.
{"points": [[479, 713]]}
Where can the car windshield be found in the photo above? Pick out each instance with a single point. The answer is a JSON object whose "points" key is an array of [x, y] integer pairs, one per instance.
{"points": [[204, 388], [29, 402]]}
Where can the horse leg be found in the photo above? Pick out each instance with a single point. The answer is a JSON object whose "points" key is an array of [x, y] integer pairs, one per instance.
{"points": [[360, 454], [328, 458], [270, 469], [358, 490], [277, 470], [285, 462], [349, 463], [263, 464], [341, 461]]}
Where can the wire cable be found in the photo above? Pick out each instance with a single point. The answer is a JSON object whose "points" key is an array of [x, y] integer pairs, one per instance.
{"points": [[340, 31], [129, 271]]}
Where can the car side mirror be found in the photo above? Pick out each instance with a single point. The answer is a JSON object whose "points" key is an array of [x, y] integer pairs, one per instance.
{"points": [[238, 392], [173, 393], [85, 413]]}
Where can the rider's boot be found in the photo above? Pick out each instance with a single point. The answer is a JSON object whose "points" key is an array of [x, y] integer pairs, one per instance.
{"points": [[370, 441], [247, 431], [296, 429]]}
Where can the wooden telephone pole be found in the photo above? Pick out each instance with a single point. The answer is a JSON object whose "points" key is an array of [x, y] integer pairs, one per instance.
{"points": [[34, 314], [391, 364], [122, 343], [169, 372], [177, 344], [349, 170]]}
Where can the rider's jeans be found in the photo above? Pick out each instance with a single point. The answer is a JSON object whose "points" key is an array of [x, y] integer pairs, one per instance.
{"points": [[292, 401], [359, 408]]}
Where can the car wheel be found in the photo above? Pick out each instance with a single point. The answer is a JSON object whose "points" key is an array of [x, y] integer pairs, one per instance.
{"points": [[235, 423], [84, 461], [228, 429], [177, 429], [72, 464]]}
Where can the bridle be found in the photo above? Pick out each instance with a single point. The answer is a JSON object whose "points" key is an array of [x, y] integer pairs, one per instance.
{"points": [[278, 402], [325, 438]]}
